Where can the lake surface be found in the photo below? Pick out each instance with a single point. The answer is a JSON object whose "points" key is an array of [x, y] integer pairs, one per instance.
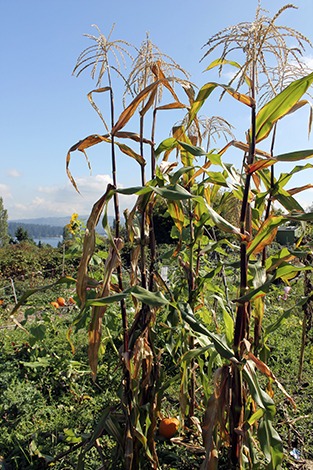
{"points": [[53, 241]]}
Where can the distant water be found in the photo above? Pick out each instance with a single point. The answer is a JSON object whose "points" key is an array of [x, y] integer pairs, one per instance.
{"points": [[53, 241]]}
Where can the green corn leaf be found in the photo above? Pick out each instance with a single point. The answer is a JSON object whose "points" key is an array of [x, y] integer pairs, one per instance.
{"points": [[135, 190], [166, 145], [182, 171], [255, 293], [278, 258], [294, 156], [261, 398], [173, 193], [154, 299], [287, 201], [220, 62], [196, 151], [287, 271], [193, 353], [304, 216], [279, 106], [218, 220], [255, 417], [229, 326], [271, 444], [219, 343], [205, 92], [216, 177], [285, 177], [106, 300]]}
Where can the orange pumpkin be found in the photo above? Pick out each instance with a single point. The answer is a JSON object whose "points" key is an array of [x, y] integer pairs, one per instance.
{"points": [[71, 301], [55, 304], [61, 301], [168, 427]]}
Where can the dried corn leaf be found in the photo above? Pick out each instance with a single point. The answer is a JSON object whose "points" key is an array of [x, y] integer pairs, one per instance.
{"points": [[264, 369], [149, 103], [83, 144], [156, 69], [131, 153], [176, 212], [95, 328], [133, 136], [176, 105], [300, 189], [89, 244], [131, 109], [93, 104], [259, 165], [134, 260]]}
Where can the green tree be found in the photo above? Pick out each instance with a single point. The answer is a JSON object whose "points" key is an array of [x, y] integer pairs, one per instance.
{"points": [[21, 235], [4, 234]]}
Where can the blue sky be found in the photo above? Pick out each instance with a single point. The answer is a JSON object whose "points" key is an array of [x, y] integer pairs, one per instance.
{"points": [[44, 109]]}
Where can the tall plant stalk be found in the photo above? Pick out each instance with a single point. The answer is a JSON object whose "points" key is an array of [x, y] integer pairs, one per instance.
{"points": [[189, 205]]}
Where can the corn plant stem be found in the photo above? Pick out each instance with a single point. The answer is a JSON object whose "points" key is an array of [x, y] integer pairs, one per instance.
{"points": [[258, 321], [127, 395], [269, 202], [152, 241], [152, 148], [243, 310], [191, 301], [241, 327], [148, 393], [117, 224], [143, 175], [143, 217]]}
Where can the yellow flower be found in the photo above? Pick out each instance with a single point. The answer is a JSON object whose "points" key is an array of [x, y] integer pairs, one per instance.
{"points": [[74, 223]]}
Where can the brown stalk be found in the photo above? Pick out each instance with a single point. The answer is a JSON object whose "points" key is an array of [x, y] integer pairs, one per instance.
{"points": [[243, 310], [307, 313], [126, 382], [257, 321]]}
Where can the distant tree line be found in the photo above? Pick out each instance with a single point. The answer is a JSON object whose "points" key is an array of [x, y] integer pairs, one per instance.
{"points": [[4, 236], [35, 230]]}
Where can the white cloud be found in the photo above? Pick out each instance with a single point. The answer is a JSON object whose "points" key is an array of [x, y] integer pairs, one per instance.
{"points": [[5, 191], [308, 60], [14, 173], [64, 200]]}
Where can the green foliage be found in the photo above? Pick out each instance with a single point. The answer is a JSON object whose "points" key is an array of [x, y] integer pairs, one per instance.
{"points": [[26, 260], [47, 393], [21, 234], [4, 233]]}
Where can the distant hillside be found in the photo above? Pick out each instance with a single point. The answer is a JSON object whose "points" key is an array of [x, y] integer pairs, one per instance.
{"points": [[36, 230], [46, 226], [51, 221]]}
